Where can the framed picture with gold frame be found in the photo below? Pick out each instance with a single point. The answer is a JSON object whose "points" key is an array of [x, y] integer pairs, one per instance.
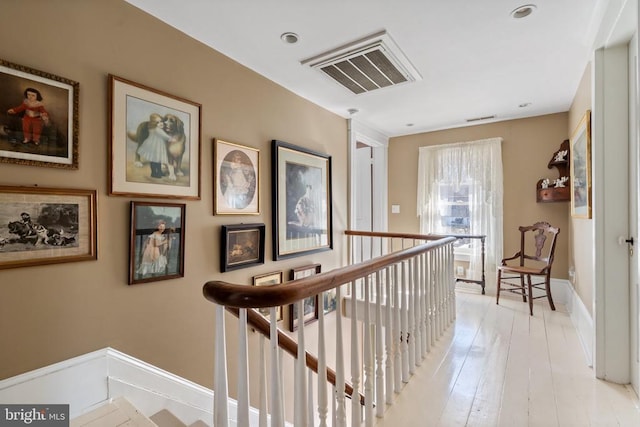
{"points": [[269, 279], [580, 157], [154, 142], [46, 226], [237, 179], [40, 117]]}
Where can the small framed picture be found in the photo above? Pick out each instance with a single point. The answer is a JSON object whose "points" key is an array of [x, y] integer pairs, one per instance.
{"points": [[39, 124], [302, 203], [580, 168], [157, 242], [237, 179], [46, 226], [154, 142], [269, 279], [310, 305], [242, 246]]}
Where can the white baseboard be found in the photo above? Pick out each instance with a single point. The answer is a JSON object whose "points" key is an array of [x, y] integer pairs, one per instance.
{"points": [[91, 380], [582, 321]]}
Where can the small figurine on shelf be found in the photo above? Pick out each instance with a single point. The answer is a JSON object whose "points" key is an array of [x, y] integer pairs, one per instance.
{"points": [[560, 182], [561, 156], [545, 183]]}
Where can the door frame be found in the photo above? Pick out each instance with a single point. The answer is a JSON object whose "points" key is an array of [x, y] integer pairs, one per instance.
{"points": [[359, 132], [610, 142]]}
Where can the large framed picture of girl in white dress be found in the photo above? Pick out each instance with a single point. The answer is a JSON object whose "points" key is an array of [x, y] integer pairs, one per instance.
{"points": [[157, 242], [154, 142], [236, 179]]}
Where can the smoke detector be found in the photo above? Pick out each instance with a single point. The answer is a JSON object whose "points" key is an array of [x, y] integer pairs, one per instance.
{"points": [[367, 64]]}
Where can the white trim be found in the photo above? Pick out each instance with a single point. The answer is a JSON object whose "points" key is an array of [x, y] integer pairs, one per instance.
{"points": [[380, 146], [582, 321], [92, 380]]}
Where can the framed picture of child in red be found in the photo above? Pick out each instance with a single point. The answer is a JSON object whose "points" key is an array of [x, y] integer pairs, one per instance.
{"points": [[157, 242], [154, 142], [39, 126]]}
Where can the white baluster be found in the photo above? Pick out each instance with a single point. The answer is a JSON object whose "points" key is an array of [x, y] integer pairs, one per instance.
{"points": [[432, 296], [277, 398], [262, 418], [388, 329], [310, 420], [397, 333], [404, 329], [379, 349], [368, 356], [423, 301], [322, 366], [411, 297], [339, 398], [300, 389], [417, 310], [221, 394], [355, 366], [243, 370]]}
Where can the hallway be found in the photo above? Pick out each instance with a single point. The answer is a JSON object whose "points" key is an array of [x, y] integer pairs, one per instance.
{"points": [[500, 367]]}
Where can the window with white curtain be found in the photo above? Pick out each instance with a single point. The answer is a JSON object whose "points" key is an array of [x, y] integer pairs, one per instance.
{"points": [[460, 192]]}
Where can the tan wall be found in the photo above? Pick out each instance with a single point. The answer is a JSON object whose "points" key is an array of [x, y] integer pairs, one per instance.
{"points": [[51, 313], [528, 146], [582, 239]]}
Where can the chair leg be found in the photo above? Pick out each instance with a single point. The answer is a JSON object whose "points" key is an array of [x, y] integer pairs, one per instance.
{"points": [[522, 285], [530, 295], [498, 289], [547, 285]]}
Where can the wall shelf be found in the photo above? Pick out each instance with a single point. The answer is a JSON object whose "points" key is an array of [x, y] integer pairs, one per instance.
{"points": [[552, 193]]}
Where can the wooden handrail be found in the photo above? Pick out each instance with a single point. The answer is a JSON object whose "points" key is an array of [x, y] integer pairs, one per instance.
{"points": [[243, 296], [288, 344]]}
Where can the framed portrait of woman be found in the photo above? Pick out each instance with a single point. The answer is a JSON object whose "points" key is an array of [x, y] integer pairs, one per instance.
{"points": [[157, 242], [236, 179]]}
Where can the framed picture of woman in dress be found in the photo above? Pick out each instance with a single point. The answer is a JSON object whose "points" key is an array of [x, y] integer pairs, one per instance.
{"points": [[157, 242], [236, 179]]}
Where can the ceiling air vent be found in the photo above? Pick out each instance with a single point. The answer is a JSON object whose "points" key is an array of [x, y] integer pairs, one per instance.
{"points": [[366, 64]]}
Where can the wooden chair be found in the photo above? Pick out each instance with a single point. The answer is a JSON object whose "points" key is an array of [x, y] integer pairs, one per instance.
{"points": [[537, 247]]}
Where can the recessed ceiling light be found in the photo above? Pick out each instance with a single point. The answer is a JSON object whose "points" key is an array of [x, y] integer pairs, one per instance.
{"points": [[289, 38], [523, 11]]}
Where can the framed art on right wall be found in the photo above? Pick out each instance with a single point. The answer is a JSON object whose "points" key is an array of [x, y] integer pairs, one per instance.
{"points": [[580, 145]]}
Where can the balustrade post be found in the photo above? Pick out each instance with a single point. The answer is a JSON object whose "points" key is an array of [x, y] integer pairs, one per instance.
{"points": [[379, 348], [221, 392]]}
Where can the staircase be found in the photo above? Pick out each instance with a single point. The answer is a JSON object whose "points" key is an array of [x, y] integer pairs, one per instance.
{"points": [[120, 412]]}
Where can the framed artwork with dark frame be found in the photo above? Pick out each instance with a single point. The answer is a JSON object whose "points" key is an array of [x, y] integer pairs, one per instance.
{"points": [[580, 158], [302, 203], [242, 246], [269, 279], [46, 226], [237, 179], [157, 242], [310, 304], [154, 142], [40, 124]]}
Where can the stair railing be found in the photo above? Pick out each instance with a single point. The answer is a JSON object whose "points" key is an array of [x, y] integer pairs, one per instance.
{"points": [[410, 292]]}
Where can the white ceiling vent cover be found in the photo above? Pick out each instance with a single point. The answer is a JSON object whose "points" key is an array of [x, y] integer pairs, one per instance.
{"points": [[368, 64]]}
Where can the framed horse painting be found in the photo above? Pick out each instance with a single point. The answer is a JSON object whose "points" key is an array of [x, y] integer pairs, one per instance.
{"points": [[46, 226]]}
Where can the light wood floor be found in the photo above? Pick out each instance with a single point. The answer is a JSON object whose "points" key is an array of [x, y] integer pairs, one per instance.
{"points": [[498, 366]]}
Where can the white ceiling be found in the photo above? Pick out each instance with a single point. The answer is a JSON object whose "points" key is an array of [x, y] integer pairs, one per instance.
{"points": [[474, 59]]}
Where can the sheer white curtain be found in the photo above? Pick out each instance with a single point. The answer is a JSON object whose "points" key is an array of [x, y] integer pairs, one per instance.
{"points": [[471, 171]]}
